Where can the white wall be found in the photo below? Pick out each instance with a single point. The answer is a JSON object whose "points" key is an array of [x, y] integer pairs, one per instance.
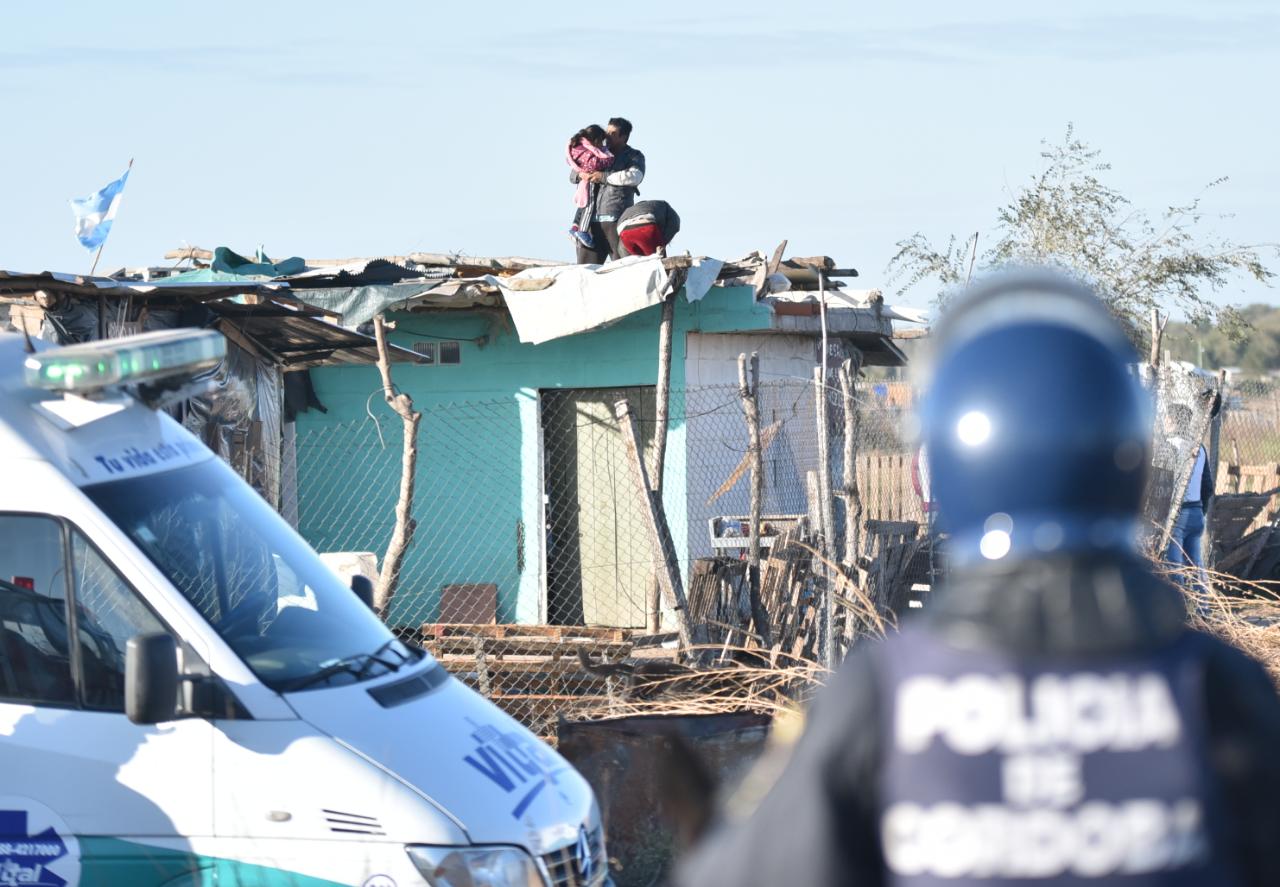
{"points": [[716, 431]]}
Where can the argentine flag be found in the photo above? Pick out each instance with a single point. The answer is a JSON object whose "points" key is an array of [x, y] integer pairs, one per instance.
{"points": [[95, 212]]}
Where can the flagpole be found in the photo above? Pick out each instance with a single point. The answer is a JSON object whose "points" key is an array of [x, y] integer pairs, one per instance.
{"points": [[98, 255], [103, 245]]}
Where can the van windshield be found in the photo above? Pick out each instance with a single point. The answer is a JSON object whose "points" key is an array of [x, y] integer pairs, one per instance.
{"points": [[251, 576]]}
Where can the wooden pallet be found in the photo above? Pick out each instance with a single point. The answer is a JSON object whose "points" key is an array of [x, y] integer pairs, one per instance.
{"points": [[489, 630], [717, 586], [539, 648], [530, 671]]}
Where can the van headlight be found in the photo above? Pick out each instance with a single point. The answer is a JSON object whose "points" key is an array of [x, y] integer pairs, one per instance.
{"points": [[476, 866]]}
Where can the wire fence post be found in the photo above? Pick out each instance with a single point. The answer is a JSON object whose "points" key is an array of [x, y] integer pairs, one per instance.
{"points": [[748, 385], [828, 652], [661, 419], [849, 489], [1215, 444]]}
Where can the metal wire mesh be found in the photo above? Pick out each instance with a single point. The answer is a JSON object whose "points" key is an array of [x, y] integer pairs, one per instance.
{"points": [[528, 511], [533, 536], [1248, 450]]}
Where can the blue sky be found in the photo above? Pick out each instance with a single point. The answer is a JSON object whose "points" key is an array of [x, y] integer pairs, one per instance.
{"points": [[333, 130]]}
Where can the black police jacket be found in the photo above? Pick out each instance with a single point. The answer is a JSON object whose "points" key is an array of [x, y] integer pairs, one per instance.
{"points": [[824, 821]]}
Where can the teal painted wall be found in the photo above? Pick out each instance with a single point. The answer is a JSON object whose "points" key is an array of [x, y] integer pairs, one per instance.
{"points": [[478, 497]]}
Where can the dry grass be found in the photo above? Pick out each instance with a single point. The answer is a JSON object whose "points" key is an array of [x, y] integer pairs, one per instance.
{"points": [[741, 678], [1244, 614], [731, 687]]}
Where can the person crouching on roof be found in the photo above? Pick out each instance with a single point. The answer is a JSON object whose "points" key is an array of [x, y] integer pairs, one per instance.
{"points": [[587, 154], [646, 228]]}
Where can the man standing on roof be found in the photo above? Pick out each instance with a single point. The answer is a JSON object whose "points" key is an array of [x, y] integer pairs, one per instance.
{"points": [[647, 227], [620, 187]]}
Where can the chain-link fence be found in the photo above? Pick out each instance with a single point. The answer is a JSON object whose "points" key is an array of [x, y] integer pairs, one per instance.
{"points": [[528, 510], [1251, 422], [534, 538], [1247, 478]]}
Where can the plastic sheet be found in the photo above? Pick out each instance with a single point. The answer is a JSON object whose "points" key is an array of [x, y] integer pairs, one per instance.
{"points": [[240, 416], [239, 419]]}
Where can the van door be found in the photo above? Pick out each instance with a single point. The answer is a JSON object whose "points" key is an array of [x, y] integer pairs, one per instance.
{"points": [[86, 796]]}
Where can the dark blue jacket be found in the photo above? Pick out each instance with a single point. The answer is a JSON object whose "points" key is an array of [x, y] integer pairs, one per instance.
{"points": [[822, 823]]}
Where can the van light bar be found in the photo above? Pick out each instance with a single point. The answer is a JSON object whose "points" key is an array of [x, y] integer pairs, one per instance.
{"points": [[93, 366]]}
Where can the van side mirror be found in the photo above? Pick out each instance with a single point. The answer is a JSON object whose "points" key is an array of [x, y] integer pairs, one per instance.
{"points": [[151, 678], [363, 587]]}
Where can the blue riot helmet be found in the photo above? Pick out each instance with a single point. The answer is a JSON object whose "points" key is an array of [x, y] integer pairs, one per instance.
{"points": [[1037, 431]]}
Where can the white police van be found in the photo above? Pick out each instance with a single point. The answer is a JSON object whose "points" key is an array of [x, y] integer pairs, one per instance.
{"points": [[188, 696]]}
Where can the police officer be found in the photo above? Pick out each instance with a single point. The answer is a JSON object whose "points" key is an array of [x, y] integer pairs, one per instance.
{"points": [[1049, 719]]}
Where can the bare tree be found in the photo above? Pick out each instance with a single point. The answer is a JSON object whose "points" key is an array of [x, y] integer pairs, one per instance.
{"points": [[1068, 216], [402, 535]]}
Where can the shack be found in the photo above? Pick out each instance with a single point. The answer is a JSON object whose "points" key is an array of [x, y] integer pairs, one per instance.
{"points": [[247, 413], [525, 508]]}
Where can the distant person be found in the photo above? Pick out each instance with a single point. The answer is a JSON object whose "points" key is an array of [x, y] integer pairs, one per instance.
{"points": [[1187, 540], [586, 155], [621, 185], [1049, 719], [647, 227]]}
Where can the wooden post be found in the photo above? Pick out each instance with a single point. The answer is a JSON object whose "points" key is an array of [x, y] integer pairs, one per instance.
{"points": [[748, 386], [665, 565], [1153, 360], [813, 496], [849, 490], [1157, 333], [660, 434], [1211, 464], [828, 653], [402, 535]]}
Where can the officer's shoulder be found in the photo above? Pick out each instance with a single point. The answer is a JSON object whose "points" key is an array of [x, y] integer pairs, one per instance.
{"points": [[854, 685]]}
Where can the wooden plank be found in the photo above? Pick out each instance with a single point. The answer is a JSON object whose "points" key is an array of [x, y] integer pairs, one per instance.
{"points": [[1244, 552], [575, 633], [502, 647], [665, 565], [794, 613], [469, 603], [900, 529], [776, 576], [776, 259]]}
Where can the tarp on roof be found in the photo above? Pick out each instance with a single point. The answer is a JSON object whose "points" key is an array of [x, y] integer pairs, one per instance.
{"points": [[232, 262], [360, 304], [301, 341], [366, 272], [549, 303], [206, 275], [81, 285]]}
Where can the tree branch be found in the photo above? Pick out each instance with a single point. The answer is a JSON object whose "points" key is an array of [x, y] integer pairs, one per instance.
{"points": [[402, 535]]}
